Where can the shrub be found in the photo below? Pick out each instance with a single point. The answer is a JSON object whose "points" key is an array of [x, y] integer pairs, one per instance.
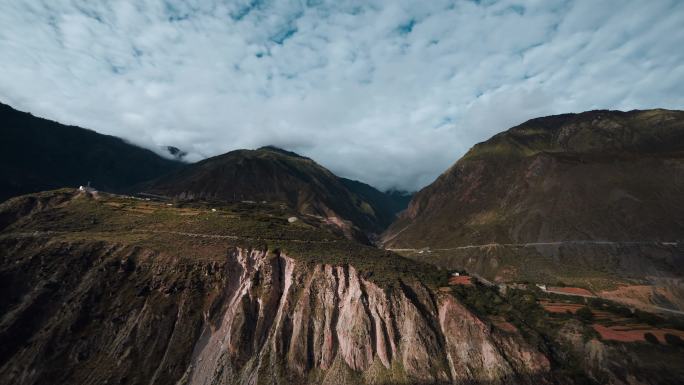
{"points": [[621, 310], [585, 314], [596, 303], [648, 318], [650, 337], [674, 340]]}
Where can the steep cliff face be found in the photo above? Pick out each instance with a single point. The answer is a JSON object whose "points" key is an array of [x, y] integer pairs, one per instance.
{"points": [[98, 312]]}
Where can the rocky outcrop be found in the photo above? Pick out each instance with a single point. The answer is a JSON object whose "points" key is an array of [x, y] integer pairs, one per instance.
{"points": [[97, 312]]}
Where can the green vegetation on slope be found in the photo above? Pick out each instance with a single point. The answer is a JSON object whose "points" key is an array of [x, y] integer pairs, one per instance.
{"points": [[206, 230]]}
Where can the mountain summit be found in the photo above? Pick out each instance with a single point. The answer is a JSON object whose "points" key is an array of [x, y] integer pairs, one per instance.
{"points": [[276, 175]]}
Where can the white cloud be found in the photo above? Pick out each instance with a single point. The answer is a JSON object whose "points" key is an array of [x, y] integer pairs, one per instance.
{"points": [[388, 92]]}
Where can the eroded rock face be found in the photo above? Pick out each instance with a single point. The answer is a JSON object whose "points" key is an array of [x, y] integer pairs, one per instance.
{"points": [[104, 313], [475, 351]]}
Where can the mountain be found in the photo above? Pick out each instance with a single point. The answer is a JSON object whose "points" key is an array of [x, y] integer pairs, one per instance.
{"points": [[107, 289], [594, 199], [387, 205], [400, 199], [38, 154], [175, 152], [275, 175]]}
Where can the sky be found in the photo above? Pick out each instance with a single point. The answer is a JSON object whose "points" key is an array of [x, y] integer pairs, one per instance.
{"points": [[387, 92]]}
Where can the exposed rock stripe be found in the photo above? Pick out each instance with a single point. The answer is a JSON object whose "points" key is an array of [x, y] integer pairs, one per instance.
{"points": [[333, 313]]}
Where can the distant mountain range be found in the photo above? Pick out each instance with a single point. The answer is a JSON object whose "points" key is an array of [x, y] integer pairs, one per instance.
{"points": [[175, 152]]}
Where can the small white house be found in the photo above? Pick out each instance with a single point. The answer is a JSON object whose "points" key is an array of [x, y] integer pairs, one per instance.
{"points": [[87, 189]]}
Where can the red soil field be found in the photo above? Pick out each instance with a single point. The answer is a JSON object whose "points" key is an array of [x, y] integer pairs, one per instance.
{"points": [[571, 290], [560, 307], [612, 326], [605, 316], [460, 280]]}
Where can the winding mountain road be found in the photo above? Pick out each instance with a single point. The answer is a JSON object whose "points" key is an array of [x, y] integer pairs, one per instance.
{"points": [[535, 244]]}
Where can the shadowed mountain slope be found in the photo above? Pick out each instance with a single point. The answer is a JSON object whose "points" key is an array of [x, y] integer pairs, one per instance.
{"points": [[38, 154], [387, 204]]}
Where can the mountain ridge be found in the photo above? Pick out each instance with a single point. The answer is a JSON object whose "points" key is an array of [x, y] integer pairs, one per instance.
{"points": [[275, 175]]}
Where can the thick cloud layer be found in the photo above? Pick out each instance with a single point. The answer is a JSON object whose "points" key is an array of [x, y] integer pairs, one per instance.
{"points": [[387, 92]]}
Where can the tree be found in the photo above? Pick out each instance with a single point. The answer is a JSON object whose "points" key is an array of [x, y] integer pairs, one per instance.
{"points": [[650, 337], [585, 314], [674, 340]]}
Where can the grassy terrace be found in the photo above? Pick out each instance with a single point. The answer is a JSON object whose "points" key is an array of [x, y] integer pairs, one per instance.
{"points": [[206, 230]]}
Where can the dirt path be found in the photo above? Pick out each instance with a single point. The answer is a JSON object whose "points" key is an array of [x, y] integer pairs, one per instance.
{"points": [[664, 309], [571, 294], [558, 243], [233, 237], [181, 233]]}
